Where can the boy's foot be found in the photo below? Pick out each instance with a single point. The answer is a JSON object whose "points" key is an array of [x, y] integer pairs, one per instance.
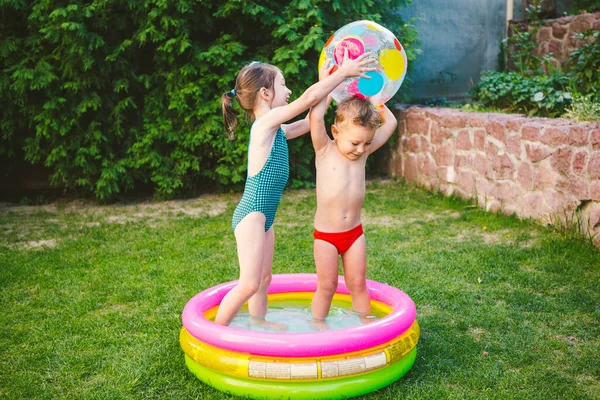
{"points": [[365, 318], [319, 325]]}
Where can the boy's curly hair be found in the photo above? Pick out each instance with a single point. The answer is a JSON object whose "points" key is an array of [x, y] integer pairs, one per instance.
{"points": [[358, 111]]}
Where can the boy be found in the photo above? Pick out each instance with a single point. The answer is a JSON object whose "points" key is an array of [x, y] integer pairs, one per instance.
{"points": [[358, 131]]}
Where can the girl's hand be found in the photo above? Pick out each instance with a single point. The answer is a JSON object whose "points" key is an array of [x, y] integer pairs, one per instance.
{"points": [[325, 69], [358, 66]]}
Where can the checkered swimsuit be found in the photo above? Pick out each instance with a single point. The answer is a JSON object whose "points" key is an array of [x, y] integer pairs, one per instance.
{"points": [[263, 190]]}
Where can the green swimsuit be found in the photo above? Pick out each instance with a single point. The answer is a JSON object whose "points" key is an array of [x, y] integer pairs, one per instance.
{"points": [[263, 190]]}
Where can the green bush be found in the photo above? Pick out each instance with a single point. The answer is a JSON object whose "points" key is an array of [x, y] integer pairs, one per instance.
{"points": [[579, 6], [519, 47], [538, 87], [521, 43], [531, 91], [540, 95], [112, 95], [583, 64]]}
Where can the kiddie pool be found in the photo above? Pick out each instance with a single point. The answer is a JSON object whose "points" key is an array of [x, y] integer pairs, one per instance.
{"points": [[309, 365]]}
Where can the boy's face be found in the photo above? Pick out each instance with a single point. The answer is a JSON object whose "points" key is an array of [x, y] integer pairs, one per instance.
{"points": [[352, 140]]}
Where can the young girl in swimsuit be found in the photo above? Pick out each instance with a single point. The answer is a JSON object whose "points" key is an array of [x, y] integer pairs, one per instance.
{"points": [[358, 131], [261, 91]]}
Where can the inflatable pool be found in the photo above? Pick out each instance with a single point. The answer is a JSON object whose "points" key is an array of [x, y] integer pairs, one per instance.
{"points": [[308, 365]]}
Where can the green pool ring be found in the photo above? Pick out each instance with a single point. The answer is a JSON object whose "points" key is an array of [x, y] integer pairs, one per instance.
{"points": [[333, 389]]}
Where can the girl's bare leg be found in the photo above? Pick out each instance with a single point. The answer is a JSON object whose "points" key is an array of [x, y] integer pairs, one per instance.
{"points": [[251, 241], [257, 304]]}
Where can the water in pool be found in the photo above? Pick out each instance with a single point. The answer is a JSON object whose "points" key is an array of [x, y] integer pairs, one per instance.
{"points": [[293, 316]]}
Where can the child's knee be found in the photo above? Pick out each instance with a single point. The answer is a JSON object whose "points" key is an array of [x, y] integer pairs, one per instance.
{"points": [[328, 286], [248, 288], [266, 280], [357, 285]]}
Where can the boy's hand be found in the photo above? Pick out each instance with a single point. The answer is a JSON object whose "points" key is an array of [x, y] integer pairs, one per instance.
{"points": [[382, 110], [358, 66], [378, 107]]}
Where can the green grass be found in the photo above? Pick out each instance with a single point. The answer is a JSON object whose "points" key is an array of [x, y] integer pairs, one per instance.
{"points": [[508, 309], [583, 109]]}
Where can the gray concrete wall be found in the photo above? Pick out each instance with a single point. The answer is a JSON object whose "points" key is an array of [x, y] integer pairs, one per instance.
{"points": [[459, 39]]}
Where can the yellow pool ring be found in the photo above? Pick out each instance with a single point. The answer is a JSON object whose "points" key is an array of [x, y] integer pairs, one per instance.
{"points": [[327, 390], [299, 369]]}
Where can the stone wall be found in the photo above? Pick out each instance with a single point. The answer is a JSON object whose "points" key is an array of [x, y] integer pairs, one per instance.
{"points": [[556, 35], [536, 168]]}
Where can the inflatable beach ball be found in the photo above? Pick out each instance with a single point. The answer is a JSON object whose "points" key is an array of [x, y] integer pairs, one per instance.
{"points": [[367, 36]]}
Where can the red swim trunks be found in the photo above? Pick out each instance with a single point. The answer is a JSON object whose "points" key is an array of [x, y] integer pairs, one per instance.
{"points": [[341, 240]]}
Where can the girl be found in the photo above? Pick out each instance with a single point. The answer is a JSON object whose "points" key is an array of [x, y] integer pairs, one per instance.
{"points": [[261, 91]]}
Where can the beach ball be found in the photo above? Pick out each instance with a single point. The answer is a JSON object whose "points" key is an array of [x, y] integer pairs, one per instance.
{"points": [[360, 37]]}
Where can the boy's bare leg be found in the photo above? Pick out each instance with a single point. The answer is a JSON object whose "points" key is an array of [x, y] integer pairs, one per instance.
{"points": [[355, 269], [326, 261]]}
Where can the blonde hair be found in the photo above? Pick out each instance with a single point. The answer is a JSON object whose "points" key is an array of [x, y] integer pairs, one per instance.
{"points": [[357, 111], [249, 81]]}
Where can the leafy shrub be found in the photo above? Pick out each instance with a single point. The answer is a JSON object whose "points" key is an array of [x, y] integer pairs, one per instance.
{"points": [[519, 47], [579, 6], [111, 95], [521, 43], [539, 95], [583, 65]]}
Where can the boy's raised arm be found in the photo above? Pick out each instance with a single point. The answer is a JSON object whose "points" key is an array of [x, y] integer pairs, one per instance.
{"points": [[387, 128], [318, 133], [316, 115]]}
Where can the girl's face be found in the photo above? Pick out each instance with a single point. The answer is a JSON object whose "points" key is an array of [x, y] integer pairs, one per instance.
{"points": [[281, 93], [352, 140]]}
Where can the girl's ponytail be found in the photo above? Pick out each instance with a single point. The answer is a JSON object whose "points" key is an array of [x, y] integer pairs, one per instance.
{"points": [[247, 84], [229, 113]]}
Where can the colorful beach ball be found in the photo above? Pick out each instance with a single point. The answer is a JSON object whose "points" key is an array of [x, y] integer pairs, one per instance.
{"points": [[367, 36]]}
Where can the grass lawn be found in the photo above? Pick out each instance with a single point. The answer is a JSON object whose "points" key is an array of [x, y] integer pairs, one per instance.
{"points": [[92, 296]]}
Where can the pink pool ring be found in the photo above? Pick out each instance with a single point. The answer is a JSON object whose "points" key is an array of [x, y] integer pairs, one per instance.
{"points": [[305, 344]]}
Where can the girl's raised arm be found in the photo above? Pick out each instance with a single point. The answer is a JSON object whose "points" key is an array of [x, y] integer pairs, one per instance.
{"points": [[313, 95], [299, 128]]}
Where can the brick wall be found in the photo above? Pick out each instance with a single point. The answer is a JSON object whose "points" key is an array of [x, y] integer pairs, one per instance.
{"points": [[556, 35], [533, 167]]}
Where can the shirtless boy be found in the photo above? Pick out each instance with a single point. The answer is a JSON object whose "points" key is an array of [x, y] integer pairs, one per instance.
{"points": [[358, 131]]}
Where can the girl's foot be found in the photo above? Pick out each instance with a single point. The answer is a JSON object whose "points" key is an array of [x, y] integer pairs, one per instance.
{"points": [[263, 323]]}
